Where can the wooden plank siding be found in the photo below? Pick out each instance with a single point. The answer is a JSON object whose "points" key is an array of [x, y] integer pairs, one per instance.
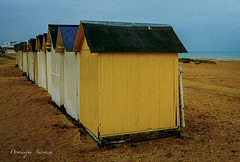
{"points": [[125, 93], [138, 93], [89, 89]]}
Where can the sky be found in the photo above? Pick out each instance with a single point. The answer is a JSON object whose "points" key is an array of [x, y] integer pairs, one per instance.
{"points": [[207, 25]]}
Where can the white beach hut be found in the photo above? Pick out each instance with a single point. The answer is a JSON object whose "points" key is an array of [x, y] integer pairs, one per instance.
{"points": [[20, 56], [24, 59], [31, 51], [69, 70], [51, 63]]}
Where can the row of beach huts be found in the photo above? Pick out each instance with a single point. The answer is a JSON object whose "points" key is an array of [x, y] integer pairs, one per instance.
{"points": [[119, 80]]}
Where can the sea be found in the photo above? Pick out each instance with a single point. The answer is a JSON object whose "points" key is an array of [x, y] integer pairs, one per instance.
{"points": [[211, 55]]}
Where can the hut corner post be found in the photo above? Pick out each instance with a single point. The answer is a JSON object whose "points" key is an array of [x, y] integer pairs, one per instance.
{"points": [[181, 103]]}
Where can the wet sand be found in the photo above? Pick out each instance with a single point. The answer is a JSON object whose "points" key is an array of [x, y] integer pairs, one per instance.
{"points": [[34, 130]]}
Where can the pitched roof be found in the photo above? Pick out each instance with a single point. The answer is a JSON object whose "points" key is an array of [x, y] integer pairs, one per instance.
{"points": [[21, 46], [40, 42], [131, 37], [36, 43], [24, 46], [53, 28], [16, 47], [33, 45], [53, 32], [68, 35]]}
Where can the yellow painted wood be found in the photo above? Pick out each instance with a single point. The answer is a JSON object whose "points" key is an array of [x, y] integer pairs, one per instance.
{"points": [[124, 93], [138, 92], [89, 89]]}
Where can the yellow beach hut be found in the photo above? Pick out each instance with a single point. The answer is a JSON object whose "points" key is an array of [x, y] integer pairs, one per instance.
{"points": [[128, 79], [70, 68]]}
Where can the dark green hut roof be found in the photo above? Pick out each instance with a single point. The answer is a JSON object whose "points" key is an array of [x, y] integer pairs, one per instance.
{"points": [[40, 38], [131, 37], [23, 46], [33, 44], [53, 31]]}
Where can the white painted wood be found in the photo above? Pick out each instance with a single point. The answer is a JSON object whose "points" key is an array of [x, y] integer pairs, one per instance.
{"points": [[182, 115]]}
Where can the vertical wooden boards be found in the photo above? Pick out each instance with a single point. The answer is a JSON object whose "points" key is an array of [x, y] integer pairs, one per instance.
{"points": [[182, 115], [36, 67], [57, 78], [42, 80], [70, 84], [49, 71], [31, 66], [25, 62], [89, 89], [138, 93]]}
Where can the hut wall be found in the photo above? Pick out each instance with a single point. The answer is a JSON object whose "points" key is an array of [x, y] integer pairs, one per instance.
{"points": [[49, 70], [89, 89], [46, 81], [125, 93], [58, 78], [42, 82], [78, 82], [25, 62], [16, 58], [138, 93], [21, 60], [35, 67], [31, 66], [71, 84], [28, 65]]}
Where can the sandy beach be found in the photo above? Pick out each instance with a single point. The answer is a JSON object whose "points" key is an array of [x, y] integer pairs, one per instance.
{"points": [[34, 130]]}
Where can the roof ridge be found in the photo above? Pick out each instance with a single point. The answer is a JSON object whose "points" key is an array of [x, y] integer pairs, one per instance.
{"points": [[62, 25], [112, 23]]}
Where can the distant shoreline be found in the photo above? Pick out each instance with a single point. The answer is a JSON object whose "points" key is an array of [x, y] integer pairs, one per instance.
{"points": [[212, 55]]}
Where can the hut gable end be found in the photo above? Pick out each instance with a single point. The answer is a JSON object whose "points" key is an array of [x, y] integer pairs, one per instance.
{"points": [[59, 44], [36, 44], [44, 42], [49, 40], [53, 30], [79, 39], [68, 35], [32, 45], [40, 42]]}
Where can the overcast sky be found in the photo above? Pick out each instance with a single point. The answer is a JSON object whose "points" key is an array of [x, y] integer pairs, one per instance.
{"points": [[207, 25]]}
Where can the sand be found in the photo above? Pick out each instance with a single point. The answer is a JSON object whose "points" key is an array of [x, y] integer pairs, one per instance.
{"points": [[33, 129]]}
